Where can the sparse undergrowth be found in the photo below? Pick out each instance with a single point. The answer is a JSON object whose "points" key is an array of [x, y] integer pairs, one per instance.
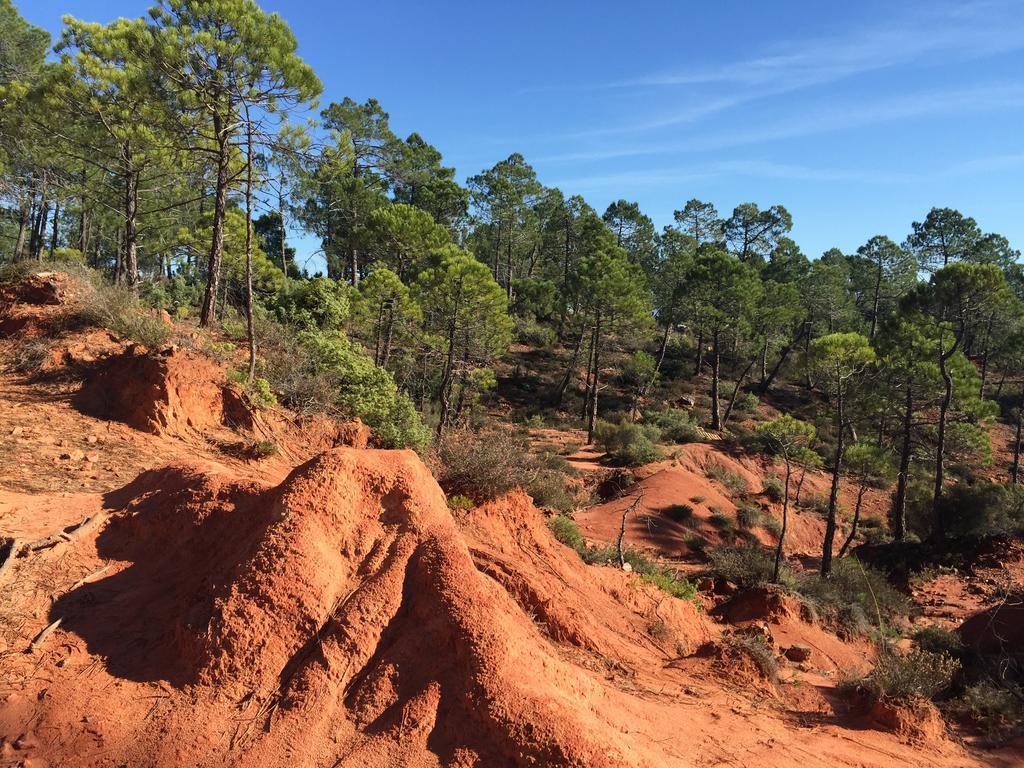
{"points": [[650, 571]]}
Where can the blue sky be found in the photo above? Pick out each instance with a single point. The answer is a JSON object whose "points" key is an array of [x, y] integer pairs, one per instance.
{"points": [[857, 117]]}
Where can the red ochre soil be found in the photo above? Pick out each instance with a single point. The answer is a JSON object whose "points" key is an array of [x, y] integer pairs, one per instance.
{"points": [[215, 611]]}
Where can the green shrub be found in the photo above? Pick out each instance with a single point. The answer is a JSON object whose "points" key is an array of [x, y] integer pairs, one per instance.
{"points": [[774, 488], [316, 371], [816, 501], [746, 565], [263, 449], [319, 304], [458, 502], [234, 329], [748, 516], [918, 674], [566, 531], [695, 542], [548, 489], [675, 425], [629, 444], [535, 334], [680, 513], [773, 526], [720, 520], [853, 594], [484, 465], [939, 640], [29, 354], [993, 708], [733, 481], [747, 402], [670, 582], [755, 647]]}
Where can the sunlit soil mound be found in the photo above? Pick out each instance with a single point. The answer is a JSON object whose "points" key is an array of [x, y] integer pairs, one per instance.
{"points": [[346, 617]]}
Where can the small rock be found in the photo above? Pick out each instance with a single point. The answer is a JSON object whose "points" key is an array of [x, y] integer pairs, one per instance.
{"points": [[17, 431], [92, 457], [627, 567], [797, 653], [25, 741], [92, 439]]}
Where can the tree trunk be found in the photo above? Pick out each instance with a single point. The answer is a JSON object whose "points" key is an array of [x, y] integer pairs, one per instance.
{"points": [[700, 352], [280, 214], [777, 570], [131, 207], [767, 383], [447, 374], [595, 385], [874, 302], [736, 392], [833, 497], [389, 331], [564, 384], [938, 522], [40, 233], [83, 217], [250, 320], [856, 520], [23, 219], [590, 375], [53, 234], [984, 355], [508, 270], [1015, 468], [219, 208], [764, 362], [899, 502], [716, 360], [353, 265]]}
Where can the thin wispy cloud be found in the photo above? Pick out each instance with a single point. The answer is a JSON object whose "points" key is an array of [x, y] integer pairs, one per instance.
{"points": [[964, 30], [943, 32], [746, 168], [833, 118]]}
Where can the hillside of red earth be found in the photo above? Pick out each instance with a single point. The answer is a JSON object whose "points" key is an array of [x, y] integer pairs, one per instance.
{"points": [[176, 593]]}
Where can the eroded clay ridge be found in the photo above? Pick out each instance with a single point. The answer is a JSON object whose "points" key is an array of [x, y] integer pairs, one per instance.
{"points": [[337, 619]]}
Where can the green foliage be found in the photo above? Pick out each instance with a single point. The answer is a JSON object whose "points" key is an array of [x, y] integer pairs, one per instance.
{"points": [[566, 531], [734, 482], [938, 640], [774, 488], [316, 304], [627, 443], [755, 647], [982, 508], [918, 674], [362, 389], [994, 708], [680, 513], [854, 597], [720, 520], [668, 581], [458, 502], [485, 465], [676, 425], [746, 565], [748, 516]]}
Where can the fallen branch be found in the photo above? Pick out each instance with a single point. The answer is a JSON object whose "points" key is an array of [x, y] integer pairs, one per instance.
{"points": [[41, 637], [89, 522], [8, 562], [622, 528]]}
